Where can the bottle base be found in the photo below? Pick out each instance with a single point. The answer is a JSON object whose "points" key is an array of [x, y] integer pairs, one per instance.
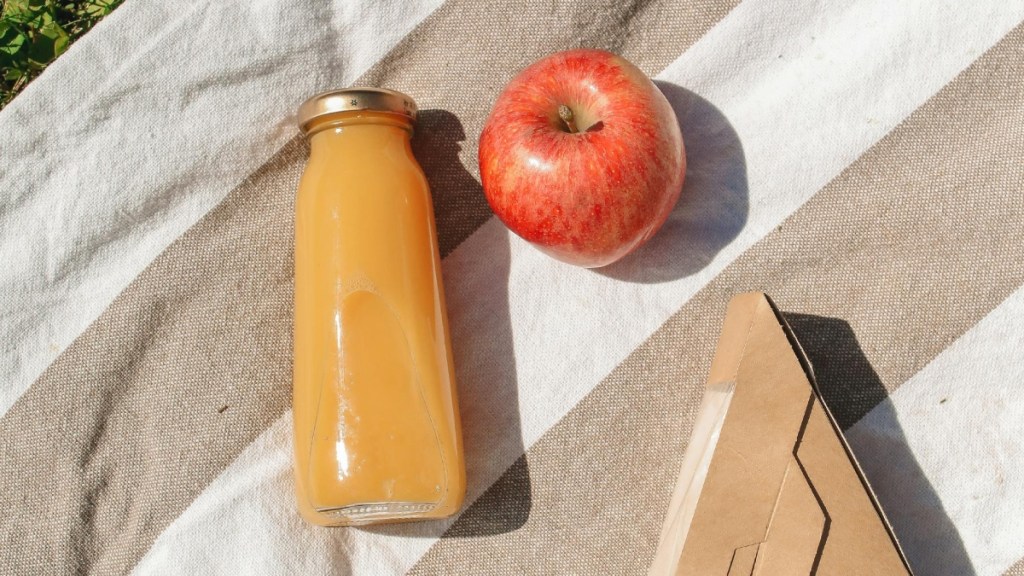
{"points": [[375, 513]]}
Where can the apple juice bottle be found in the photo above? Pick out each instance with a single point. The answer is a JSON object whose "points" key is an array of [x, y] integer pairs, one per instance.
{"points": [[377, 431]]}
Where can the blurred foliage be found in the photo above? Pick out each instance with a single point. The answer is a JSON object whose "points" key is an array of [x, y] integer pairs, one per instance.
{"points": [[33, 33]]}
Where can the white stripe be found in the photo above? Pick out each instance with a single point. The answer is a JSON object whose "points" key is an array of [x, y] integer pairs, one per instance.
{"points": [[140, 129], [805, 102], [945, 452]]}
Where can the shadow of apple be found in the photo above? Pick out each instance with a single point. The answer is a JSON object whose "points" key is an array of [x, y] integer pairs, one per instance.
{"points": [[712, 207]]}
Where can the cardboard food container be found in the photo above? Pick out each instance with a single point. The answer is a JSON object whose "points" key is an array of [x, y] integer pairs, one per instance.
{"points": [[768, 486]]}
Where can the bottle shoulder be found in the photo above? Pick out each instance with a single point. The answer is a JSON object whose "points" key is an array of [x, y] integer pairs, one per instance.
{"points": [[389, 168]]}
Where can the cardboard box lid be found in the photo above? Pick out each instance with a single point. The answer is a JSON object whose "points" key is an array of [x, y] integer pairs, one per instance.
{"points": [[768, 486]]}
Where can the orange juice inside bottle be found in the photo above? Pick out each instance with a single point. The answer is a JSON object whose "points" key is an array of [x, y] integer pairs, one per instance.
{"points": [[377, 432]]}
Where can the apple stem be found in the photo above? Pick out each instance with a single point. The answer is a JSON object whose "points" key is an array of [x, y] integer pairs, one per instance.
{"points": [[565, 113]]}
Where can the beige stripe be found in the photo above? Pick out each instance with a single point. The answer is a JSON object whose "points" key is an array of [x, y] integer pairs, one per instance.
{"points": [[192, 361], [1016, 570], [910, 247]]}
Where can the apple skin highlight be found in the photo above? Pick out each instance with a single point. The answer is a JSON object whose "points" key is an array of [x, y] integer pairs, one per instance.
{"points": [[591, 196]]}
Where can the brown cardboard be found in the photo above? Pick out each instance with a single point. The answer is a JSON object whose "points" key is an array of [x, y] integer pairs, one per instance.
{"points": [[768, 485]]}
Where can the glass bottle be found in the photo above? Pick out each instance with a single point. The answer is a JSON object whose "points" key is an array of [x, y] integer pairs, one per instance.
{"points": [[377, 432]]}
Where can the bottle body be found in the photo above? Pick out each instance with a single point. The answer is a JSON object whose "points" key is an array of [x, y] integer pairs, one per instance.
{"points": [[377, 431]]}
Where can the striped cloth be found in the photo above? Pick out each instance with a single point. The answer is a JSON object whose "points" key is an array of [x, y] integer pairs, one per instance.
{"points": [[862, 161]]}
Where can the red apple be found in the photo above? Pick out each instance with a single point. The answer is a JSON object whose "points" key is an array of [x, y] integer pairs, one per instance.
{"points": [[582, 156]]}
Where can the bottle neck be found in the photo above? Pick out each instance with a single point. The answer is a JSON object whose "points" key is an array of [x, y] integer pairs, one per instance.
{"points": [[359, 121], [352, 135]]}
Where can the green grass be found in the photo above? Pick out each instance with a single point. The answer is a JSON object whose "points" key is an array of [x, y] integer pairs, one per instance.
{"points": [[33, 33]]}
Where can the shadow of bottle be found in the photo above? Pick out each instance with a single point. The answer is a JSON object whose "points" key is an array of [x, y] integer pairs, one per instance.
{"points": [[484, 359], [712, 206], [851, 389]]}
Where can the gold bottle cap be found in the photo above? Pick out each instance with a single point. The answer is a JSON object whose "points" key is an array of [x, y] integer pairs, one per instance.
{"points": [[353, 99]]}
